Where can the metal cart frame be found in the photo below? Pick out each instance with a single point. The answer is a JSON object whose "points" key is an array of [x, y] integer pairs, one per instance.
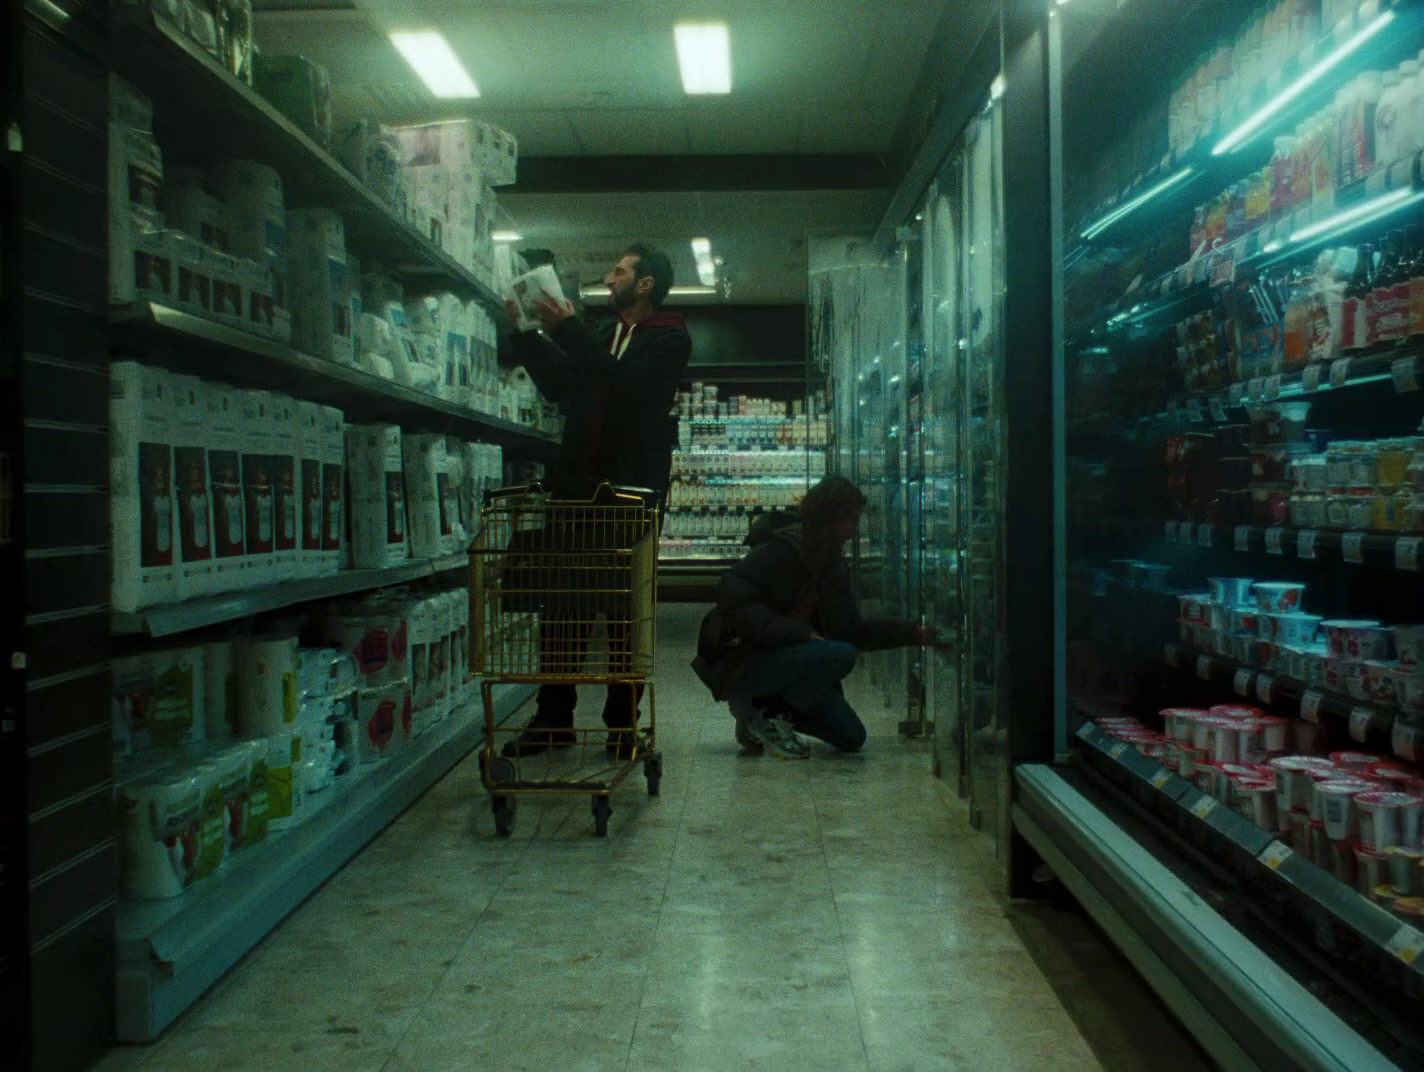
{"points": [[545, 573]]}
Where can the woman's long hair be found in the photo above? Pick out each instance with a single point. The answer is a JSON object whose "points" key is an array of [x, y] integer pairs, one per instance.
{"points": [[833, 499]]}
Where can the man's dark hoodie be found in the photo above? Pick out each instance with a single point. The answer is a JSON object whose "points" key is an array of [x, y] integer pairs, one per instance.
{"points": [[617, 409], [772, 599]]}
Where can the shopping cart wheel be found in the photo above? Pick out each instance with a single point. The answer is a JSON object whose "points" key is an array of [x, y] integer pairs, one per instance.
{"points": [[653, 772], [502, 771], [601, 811], [503, 815]]}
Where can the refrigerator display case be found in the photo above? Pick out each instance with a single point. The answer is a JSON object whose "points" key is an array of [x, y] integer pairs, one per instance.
{"points": [[1242, 305]]}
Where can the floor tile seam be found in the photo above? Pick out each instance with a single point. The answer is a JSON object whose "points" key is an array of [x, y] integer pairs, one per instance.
{"points": [[658, 920], [840, 932]]}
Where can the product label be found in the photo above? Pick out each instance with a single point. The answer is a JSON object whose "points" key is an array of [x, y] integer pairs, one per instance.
{"points": [[1310, 705], [1310, 378], [1204, 534], [1391, 314], [167, 711], [1217, 406], [1406, 944], [194, 515], [1339, 372], [1204, 667], [1242, 682], [1116, 751], [1274, 538], [195, 289], [1184, 532], [1405, 373], [1360, 719], [254, 826], [1241, 540], [1406, 553], [212, 833], [311, 505], [449, 509], [228, 525], [1305, 543], [155, 488], [1160, 778], [1204, 806], [331, 481], [1264, 684], [1272, 388], [1275, 854], [284, 466], [395, 509], [1352, 547]]}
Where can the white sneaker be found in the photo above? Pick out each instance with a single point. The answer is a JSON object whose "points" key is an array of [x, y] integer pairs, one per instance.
{"points": [[755, 731]]}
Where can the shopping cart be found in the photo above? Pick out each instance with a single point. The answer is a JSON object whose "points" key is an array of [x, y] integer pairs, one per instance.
{"points": [[545, 574]]}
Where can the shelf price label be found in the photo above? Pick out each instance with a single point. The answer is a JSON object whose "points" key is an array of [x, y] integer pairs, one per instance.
{"points": [[1216, 404], [1272, 388], [1310, 705], [1204, 806], [1275, 854], [1194, 410], [1236, 392], [1405, 373], [1406, 553], [1171, 655], [1161, 778], [1404, 739], [1360, 720], [1406, 944], [1172, 407], [1263, 688], [1241, 540], [1352, 547], [1169, 531], [1184, 532], [1256, 388], [1339, 371], [1305, 543], [1274, 537], [1204, 667], [1116, 751], [1086, 730], [1310, 378], [1204, 534], [1242, 683]]}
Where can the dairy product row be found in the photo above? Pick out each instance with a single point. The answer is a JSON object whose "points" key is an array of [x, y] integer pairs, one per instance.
{"points": [[694, 464], [215, 488]]}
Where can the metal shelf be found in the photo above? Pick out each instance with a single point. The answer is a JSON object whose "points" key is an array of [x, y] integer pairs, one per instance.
{"points": [[173, 618], [1390, 937], [171, 951], [209, 116], [1368, 722], [206, 348]]}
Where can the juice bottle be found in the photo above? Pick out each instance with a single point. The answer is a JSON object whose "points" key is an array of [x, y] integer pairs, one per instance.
{"points": [[1355, 310], [1282, 163]]}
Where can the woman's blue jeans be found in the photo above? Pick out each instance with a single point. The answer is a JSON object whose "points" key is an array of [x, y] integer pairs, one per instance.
{"points": [[807, 677]]}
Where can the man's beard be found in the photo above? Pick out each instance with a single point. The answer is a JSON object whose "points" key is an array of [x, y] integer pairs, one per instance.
{"points": [[622, 299]]}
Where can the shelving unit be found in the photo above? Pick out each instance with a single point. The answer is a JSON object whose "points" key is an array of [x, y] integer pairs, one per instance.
{"points": [[192, 92], [173, 618], [1400, 551], [171, 951], [191, 344]]}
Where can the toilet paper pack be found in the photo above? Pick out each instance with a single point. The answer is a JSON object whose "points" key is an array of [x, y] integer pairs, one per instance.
{"points": [[256, 218], [267, 669], [158, 821], [528, 289], [383, 718], [373, 156], [461, 143], [319, 286], [258, 491], [310, 558], [136, 259], [378, 507], [158, 698], [194, 575], [141, 436], [333, 480], [284, 786], [192, 275], [224, 443], [286, 486], [191, 205], [427, 481], [212, 819], [220, 704]]}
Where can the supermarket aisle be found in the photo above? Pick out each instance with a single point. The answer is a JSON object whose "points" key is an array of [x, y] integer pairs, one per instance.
{"points": [[831, 915]]}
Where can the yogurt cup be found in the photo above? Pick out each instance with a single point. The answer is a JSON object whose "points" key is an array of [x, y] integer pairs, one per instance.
{"points": [[1371, 870], [1333, 802], [1178, 721], [1342, 862], [1188, 760], [1230, 591], [1356, 639], [1295, 780], [1263, 737], [1218, 616], [1193, 606], [1355, 762], [1404, 872], [1353, 675], [1380, 678], [1295, 630], [1256, 801], [1245, 621], [1409, 692], [1398, 779], [1388, 819], [1409, 643], [1235, 711], [1278, 597]]}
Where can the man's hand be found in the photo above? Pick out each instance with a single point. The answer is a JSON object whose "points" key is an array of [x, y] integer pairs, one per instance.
{"points": [[512, 308], [551, 312]]}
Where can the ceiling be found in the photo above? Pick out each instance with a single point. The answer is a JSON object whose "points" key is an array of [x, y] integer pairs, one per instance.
{"points": [[573, 78]]}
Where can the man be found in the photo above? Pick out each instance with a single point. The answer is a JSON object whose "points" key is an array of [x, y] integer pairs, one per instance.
{"points": [[615, 381]]}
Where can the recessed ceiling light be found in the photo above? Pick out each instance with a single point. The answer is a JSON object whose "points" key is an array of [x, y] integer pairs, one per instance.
{"points": [[507, 236], [704, 53], [432, 58]]}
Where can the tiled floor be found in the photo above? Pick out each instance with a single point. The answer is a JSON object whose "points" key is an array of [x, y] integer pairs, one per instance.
{"points": [[831, 914]]}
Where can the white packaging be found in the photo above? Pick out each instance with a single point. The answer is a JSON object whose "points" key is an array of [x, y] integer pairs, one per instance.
{"points": [[139, 264], [266, 684], [192, 274], [418, 628], [220, 703], [333, 483], [158, 825], [529, 288], [376, 633], [256, 218], [308, 446], [141, 434], [128, 107], [383, 718], [284, 785], [373, 156], [461, 143], [234, 761], [190, 205], [286, 483], [427, 482], [224, 439], [192, 495], [378, 508], [259, 494], [319, 285], [227, 275], [158, 698]]}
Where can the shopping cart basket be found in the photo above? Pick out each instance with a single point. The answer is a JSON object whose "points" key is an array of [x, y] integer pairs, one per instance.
{"points": [[545, 574]]}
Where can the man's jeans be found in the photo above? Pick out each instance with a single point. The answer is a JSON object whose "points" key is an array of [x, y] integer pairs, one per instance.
{"points": [[807, 678]]}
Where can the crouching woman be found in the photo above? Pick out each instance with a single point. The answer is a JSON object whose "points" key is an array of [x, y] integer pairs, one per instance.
{"points": [[787, 628]]}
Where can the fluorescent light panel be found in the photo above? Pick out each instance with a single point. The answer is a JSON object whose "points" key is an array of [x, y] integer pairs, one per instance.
{"points": [[507, 236], [676, 292], [431, 57], [706, 266], [1136, 203], [704, 54], [1363, 213], [1242, 134]]}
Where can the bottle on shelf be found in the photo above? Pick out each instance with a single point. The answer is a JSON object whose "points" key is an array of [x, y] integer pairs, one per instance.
{"points": [[1355, 310], [1383, 325]]}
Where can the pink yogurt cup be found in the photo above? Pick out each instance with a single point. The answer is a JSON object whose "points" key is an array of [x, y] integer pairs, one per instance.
{"points": [[1278, 597], [1388, 819]]}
